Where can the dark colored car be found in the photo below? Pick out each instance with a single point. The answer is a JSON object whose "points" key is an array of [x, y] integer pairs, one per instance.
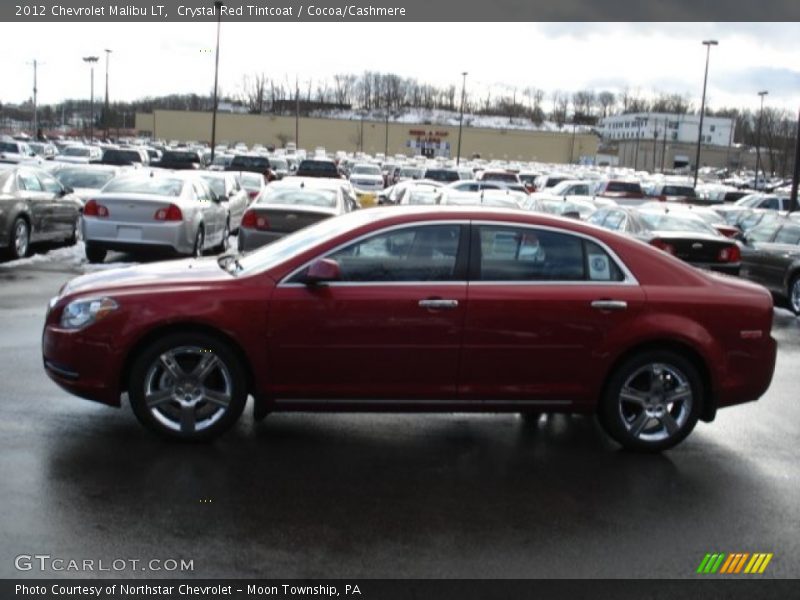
{"points": [[180, 159], [673, 192], [685, 236], [317, 167], [35, 207], [442, 175], [124, 156], [252, 163], [419, 309], [623, 192], [771, 257]]}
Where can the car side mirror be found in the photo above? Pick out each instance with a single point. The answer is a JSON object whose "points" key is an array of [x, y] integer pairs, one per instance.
{"points": [[322, 271], [66, 190]]}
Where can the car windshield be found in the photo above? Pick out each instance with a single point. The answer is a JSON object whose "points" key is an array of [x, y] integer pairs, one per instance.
{"points": [[251, 180], [222, 160], [75, 151], [623, 186], [562, 189], [158, 186], [658, 221], [323, 198], [296, 243], [422, 196], [749, 201], [84, 179], [250, 162], [279, 164], [366, 170]]}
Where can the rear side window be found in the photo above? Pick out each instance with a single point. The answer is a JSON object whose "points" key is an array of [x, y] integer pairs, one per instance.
{"points": [[529, 254], [29, 181]]}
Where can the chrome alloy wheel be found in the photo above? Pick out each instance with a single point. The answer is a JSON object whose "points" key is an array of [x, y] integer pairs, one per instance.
{"points": [[188, 389], [655, 402]]}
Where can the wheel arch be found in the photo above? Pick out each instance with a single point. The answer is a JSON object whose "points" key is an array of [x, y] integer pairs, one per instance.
{"points": [[709, 408], [185, 327]]}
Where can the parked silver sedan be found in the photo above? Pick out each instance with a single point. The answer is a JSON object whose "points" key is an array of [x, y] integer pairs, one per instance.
{"points": [[173, 211], [230, 192]]}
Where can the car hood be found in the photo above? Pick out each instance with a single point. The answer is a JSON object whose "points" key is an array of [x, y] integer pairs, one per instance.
{"points": [[166, 273]]}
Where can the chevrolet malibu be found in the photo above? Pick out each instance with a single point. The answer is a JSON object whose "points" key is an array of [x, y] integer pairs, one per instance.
{"points": [[419, 309]]}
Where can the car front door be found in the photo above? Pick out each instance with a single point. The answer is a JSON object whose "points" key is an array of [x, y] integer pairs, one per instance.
{"points": [[390, 328], [40, 206], [544, 306], [64, 207]]}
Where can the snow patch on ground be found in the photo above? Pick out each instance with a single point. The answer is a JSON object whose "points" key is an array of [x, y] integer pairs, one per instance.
{"points": [[72, 256]]}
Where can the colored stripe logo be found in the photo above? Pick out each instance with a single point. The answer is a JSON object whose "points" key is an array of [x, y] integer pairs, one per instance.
{"points": [[734, 563]]}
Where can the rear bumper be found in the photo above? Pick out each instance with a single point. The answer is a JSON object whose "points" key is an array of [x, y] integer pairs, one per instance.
{"points": [[113, 235], [749, 374], [250, 239], [84, 367]]}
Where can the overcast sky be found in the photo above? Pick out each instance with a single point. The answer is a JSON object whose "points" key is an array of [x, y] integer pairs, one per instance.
{"points": [[153, 58]]}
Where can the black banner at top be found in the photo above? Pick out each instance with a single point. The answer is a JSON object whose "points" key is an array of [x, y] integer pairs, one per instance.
{"points": [[186, 11]]}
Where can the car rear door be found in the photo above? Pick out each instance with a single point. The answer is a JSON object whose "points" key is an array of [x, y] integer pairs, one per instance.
{"points": [[390, 328], [544, 307]]}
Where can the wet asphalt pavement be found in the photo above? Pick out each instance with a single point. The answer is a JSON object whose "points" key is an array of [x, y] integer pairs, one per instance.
{"points": [[400, 496]]}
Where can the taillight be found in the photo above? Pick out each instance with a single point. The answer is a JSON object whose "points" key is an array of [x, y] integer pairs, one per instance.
{"points": [[252, 194], [662, 245], [253, 220], [171, 213], [730, 254], [94, 209]]}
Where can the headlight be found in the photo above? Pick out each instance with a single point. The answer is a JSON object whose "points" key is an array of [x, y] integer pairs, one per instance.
{"points": [[81, 313]]}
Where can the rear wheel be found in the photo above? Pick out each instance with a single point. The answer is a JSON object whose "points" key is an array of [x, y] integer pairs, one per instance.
{"points": [[94, 253], [187, 386], [223, 245], [199, 242], [652, 401], [794, 295], [20, 238]]}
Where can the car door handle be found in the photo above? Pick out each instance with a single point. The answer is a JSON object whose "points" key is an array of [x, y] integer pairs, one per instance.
{"points": [[438, 303], [610, 304]]}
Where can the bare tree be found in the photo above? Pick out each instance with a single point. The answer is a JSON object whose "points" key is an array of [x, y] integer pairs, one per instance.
{"points": [[606, 100]]}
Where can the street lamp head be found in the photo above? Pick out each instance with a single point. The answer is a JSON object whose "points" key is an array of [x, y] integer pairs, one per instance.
{"points": [[108, 51], [218, 4], [464, 74], [711, 42], [763, 93], [90, 59]]}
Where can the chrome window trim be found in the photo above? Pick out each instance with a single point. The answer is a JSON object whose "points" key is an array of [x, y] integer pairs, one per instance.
{"points": [[628, 280]]}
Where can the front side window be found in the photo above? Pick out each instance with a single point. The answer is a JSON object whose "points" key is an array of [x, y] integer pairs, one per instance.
{"points": [[788, 234], [529, 254], [424, 253]]}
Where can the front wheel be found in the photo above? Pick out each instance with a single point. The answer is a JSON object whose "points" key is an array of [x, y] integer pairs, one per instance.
{"points": [[187, 386], [652, 401], [95, 254], [20, 238]]}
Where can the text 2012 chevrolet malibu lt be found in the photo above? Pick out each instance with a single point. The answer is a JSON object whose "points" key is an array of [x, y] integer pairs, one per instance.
{"points": [[419, 309]]}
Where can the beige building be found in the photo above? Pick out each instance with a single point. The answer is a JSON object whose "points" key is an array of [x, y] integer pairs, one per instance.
{"points": [[370, 136]]}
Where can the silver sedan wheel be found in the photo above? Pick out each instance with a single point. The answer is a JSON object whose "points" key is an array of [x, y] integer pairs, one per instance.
{"points": [[655, 402], [21, 238], [794, 296], [188, 389]]}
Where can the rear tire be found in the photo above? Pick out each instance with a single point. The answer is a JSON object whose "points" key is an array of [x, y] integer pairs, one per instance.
{"points": [[652, 401], [188, 387], [94, 253], [199, 242], [794, 295], [223, 245]]}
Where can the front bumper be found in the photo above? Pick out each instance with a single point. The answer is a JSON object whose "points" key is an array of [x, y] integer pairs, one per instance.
{"points": [[81, 365]]}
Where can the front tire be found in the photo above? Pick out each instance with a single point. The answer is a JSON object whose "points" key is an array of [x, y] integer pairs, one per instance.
{"points": [[20, 239], [652, 401], [187, 386]]}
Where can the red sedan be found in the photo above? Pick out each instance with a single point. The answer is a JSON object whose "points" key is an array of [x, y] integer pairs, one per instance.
{"points": [[419, 309]]}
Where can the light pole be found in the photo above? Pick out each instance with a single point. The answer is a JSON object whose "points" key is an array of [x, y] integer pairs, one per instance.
{"points": [[707, 44], [35, 90], [91, 60], [218, 7], [386, 141], [296, 112], [461, 117], [762, 93], [105, 107], [796, 174]]}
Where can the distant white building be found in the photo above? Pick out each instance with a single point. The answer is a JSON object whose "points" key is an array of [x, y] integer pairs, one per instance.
{"points": [[717, 131]]}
